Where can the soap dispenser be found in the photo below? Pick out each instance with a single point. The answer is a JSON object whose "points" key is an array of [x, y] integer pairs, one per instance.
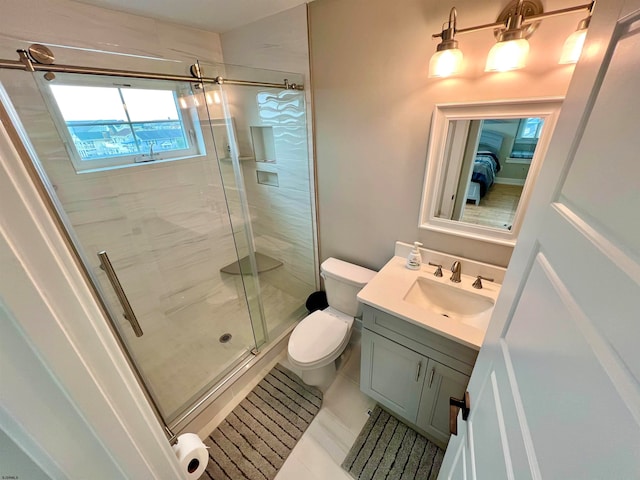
{"points": [[414, 260]]}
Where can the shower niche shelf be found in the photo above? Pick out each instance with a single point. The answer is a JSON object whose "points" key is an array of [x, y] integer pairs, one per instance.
{"points": [[267, 178], [246, 158], [263, 144]]}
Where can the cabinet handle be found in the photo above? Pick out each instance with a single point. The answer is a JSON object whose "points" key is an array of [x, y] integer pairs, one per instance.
{"points": [[418, 370], [433, 372]]}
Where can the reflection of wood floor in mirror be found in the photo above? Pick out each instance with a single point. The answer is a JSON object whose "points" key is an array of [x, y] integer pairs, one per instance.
{"points": [[497, 208]]}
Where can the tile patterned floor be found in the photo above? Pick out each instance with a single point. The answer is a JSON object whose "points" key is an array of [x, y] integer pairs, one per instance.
{"points": [[324, 445], [321, 450]]}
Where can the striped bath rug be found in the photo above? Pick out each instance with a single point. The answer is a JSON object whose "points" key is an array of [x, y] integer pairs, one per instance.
{"points": [[388, 449], [255, 439]]}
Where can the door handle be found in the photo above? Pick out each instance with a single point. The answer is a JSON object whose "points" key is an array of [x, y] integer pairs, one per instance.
{"points": [[456, 404], [105, 264], [418, 370]]}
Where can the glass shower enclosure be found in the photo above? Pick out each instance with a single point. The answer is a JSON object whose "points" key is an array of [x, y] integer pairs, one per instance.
{"points": [[189, 204]]}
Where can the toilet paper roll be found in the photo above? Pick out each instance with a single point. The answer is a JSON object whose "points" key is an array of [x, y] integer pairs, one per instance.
{"points": [[192, 455]]}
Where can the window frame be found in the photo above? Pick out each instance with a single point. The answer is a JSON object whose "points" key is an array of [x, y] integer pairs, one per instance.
{"points": [[518, 156], [188, 118], [522, 125]]}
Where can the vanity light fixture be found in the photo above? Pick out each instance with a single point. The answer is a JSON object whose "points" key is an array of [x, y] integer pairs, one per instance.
{"points": [[573, 44], [515, 24], [511, 50], [447, 60]]}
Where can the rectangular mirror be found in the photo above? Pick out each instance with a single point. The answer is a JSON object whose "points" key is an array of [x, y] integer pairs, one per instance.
{"points": [[482, 163]]}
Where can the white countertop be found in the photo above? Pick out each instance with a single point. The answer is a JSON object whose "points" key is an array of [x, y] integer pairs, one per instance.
{"points": [[388, 288]]}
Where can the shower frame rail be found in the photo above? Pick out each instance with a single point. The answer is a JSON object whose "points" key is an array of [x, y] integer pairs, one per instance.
{"points": [[26, 64]]}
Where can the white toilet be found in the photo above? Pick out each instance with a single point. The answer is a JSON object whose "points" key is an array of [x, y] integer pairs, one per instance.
{"points": [[320, 338]]}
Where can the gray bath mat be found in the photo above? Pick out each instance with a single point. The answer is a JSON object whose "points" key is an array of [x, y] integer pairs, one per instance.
{"points": [[264, 262], [255, 439], [388, 449]]}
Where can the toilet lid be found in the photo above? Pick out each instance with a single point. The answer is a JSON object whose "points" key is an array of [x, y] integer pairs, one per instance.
{"points": [[316, 337]]}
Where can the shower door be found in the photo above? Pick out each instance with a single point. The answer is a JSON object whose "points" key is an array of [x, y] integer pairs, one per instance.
{"points": [[262, 140], [132, 169]]}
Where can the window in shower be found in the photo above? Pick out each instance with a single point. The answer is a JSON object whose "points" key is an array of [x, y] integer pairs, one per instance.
{"points": [[111, 125]]}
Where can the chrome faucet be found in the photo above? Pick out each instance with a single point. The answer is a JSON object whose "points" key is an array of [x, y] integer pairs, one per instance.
{"points": [[438, 272], [478, 283], [455, 272]]}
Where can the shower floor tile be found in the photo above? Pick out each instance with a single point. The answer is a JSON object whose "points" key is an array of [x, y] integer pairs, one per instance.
{"points": [[182, 356]]}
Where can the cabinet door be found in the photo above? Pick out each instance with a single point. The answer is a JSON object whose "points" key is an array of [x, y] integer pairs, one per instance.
{"points": [[441, 383], [392, 374]]}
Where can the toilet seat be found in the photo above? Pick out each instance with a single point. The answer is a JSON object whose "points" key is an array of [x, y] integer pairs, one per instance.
{"points": [[320, 338]]}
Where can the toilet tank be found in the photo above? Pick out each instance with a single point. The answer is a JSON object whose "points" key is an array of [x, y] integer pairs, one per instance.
{"points": [[343, 281]]}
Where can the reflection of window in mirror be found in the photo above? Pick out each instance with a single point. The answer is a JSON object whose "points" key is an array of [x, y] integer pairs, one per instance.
{"points": [[526, 139], [530, 128]]}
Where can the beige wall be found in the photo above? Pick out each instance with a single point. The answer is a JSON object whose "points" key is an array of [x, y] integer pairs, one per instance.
{"points": [[373, 105]]}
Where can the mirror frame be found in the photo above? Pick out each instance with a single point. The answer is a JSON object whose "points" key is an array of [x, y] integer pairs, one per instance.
{"points": [[547, 108]]}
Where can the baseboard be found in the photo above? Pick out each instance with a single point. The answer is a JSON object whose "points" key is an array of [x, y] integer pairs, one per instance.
{"points": [[510, 181]]}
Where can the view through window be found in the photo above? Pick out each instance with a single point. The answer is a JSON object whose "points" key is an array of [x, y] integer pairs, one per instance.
{"points": [[118, 125]]}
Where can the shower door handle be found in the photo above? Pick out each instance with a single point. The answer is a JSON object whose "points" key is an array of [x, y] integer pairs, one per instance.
{"points": [[105, 264]]}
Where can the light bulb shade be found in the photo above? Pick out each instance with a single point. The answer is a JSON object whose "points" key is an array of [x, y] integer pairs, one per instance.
{"points": [[509, 55], [445, 63], [573, 47]]}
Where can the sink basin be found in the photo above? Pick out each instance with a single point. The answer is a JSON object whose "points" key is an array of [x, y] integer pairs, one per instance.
{"points": [[448, 300]]}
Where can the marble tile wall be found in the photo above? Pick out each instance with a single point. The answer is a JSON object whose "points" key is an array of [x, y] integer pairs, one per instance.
{"points": [[167, 231], [281, 42], [165, 226], [281, 216], [80, 26], [168, 227]]}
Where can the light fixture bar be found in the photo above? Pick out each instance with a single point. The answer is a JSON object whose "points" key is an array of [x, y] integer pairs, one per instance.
{"points": [[525, 20], [556, 13]]}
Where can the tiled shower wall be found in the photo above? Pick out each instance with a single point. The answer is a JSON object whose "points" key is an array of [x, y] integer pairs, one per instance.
{"points": [[167, 232], [280, 42], [281, 212], [166, 225]]}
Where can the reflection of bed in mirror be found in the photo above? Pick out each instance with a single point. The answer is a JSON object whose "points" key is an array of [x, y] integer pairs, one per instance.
{"points": [[485, 166]]}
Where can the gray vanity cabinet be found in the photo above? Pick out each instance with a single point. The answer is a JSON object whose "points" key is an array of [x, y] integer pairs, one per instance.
{"points": [[412, 371], [441, 383], [392, 374]]}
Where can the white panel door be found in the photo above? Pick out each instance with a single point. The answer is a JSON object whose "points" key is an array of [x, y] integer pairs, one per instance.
{"points": [[555, 393]]}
